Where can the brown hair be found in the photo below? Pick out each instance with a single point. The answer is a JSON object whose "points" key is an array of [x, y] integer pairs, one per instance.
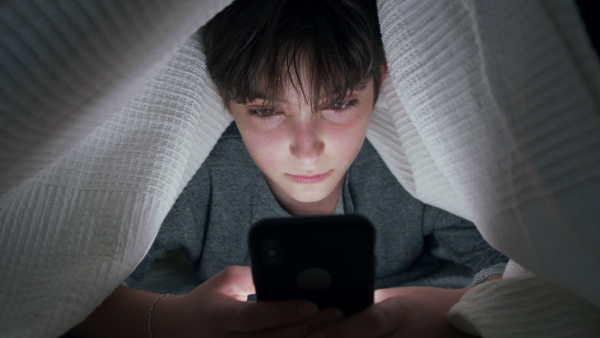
{"points": [[323, 48]]}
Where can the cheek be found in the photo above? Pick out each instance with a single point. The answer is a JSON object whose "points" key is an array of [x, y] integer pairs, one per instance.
{"points": [[265, 148], [344, 145], [355, 118], [346, 142], [348, 131]]}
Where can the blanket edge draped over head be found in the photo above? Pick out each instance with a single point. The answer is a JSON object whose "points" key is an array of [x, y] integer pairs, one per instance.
{"points": [[491, 111]]}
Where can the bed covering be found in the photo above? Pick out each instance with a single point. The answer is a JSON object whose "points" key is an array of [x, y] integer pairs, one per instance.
{"points": [[491, 111]]}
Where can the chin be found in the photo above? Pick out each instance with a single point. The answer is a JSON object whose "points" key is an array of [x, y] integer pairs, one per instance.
{"points": [[310, 196]]}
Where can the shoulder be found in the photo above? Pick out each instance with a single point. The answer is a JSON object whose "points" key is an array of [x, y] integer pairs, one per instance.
{"points": [[368, 169], [375, 190], [226, 161], [228, 156], [229, 167], [229, 146], [366, 155]]}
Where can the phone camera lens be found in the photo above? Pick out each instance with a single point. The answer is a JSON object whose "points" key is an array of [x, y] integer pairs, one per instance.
{"points": [[271, 253]]}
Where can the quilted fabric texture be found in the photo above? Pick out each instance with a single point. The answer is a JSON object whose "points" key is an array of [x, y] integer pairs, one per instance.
{"points": [[491, 111]]}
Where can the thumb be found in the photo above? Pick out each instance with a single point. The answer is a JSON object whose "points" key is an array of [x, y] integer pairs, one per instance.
{"points": [[235, 282], [383, 294]]}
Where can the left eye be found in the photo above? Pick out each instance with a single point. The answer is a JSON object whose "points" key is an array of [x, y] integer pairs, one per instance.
{"points": [[266, 111], [338, 105], [263, 112]]}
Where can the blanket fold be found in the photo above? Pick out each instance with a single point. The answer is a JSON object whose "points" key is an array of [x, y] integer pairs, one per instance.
{"points": [[525, 307], [490, 111]]}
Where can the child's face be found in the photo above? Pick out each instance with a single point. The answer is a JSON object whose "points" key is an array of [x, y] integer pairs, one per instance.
{"points": [[304, 156]]}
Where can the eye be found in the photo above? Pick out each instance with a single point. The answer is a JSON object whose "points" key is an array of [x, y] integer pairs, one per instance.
{"points": [[263, 112], [339, 105], [342, 105]]}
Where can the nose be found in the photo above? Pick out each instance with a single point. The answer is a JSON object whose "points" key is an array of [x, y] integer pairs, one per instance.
{"points": [[306, 145]]}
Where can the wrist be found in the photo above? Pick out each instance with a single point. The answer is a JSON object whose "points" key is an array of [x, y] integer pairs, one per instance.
{"points": [[162, 316]]}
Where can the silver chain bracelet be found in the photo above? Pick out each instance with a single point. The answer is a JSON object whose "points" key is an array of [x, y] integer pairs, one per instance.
{"points": [[150, 313]]}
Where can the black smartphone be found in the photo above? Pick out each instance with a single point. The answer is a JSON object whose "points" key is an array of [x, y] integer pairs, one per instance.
{"points": [[326, 259]]}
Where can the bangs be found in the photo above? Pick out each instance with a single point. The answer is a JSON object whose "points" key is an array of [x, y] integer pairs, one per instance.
{"points": [[323, 50]]}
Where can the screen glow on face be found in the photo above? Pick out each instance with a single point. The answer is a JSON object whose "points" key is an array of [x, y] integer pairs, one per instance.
{"points": [[304, 155]]}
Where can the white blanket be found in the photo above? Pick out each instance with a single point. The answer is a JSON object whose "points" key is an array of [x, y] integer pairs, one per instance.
{"points": [[491, 111]]}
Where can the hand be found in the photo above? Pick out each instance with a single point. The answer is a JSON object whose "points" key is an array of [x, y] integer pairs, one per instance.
{"points": [[218, 308], [400, 312]]}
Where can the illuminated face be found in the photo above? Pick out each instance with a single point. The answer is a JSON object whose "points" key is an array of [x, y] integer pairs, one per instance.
{"points": [[303, 155]]}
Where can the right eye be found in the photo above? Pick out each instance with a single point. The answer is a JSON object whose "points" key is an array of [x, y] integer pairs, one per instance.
{"points": [[264, 112]]}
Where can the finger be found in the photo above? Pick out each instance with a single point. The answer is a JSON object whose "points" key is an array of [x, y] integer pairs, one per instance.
{"points": [[382, 294], [375, 321], [235, 282], [248, 317], [233, 286], [325, 316]]}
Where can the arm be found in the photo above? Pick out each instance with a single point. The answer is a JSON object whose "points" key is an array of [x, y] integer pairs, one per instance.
{"points": [[217, 308], [402, 312], [124, 313], [423, 311]]}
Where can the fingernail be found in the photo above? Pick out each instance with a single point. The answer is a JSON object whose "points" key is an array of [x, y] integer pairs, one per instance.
{"points": [[308, 310]]}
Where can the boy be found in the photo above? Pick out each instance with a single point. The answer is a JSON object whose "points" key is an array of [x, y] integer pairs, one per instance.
{"points": [[300, 79]]}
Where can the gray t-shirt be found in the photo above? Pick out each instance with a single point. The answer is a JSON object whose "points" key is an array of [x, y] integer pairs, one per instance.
{"points": [[212, 217]]}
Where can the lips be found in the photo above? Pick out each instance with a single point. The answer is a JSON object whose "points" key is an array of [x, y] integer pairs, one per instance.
{"points": [[302, 179]]}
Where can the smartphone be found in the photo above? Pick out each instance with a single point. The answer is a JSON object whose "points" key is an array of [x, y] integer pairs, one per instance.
{"points": [[329, 260]]}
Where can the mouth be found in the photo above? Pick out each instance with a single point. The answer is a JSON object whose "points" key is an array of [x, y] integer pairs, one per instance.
{"points": [[302, 179]]}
